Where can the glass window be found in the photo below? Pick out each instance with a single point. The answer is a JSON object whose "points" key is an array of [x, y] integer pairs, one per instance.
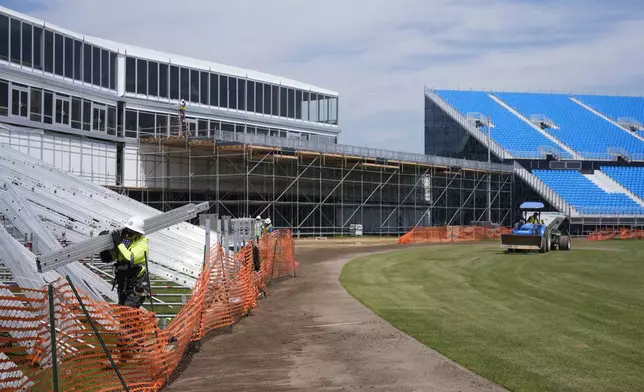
{"points": [[96, 65], [202, 127], [87, 115], [77, 112], [19, 101], [240, 128], [59, 55], [204, 95], [283, 102], [112, 71], [105, 69], [223, 91], [153, 78], [38, 38], [26, 45], [313, 108], [232, 92], [259, 95], [130, 75], [15, 41], [291, 103], [4, 37], [141, 77], [48, 106], [174, 82], [333, 111], [194, 86], [111, 120], [146, 123], [4, 97], [305, 105], [185, 84], [69, 58], [49, 51], [262, 131], [241, 94], [162, 124], [214, 126], [131, 123], [323, 108], [87, 63], [275, 99], [99, 114], [36, 105], [227, 127], [78, 60], [214, 90], [268, 98], [298, 104], [250, 96], [174, 125], [163, 80]]}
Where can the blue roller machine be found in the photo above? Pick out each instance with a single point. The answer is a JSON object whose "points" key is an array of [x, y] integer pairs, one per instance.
{"points": [[537, 230]]}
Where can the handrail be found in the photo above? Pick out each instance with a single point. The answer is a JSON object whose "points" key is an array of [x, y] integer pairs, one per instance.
{"points": [[462, 120]]}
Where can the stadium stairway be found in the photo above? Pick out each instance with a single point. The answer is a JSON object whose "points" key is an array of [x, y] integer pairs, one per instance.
{"points": [[586, 196], [631, 178], [628, 112]]}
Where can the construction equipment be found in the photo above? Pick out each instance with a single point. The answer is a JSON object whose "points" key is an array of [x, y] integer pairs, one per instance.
{"points": [[544, 236]]}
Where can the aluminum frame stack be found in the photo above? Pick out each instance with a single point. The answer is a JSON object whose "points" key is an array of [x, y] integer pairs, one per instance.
{"points": [[68, 206]]}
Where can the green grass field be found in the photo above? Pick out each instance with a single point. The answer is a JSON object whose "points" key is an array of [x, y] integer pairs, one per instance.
{"points": [[561, 321]]}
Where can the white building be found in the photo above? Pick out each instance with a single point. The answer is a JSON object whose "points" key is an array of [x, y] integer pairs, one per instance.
{"points": [[80, 102]]}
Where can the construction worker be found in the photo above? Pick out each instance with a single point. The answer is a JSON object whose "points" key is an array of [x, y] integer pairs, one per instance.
{"points": [[182, 114], [258, 228], [534, 219], [268, 228], [131, 250]]}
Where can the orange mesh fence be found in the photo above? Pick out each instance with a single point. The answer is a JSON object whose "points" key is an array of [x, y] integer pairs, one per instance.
{"points": [[449, 234], [612, 234], [146, 356]]}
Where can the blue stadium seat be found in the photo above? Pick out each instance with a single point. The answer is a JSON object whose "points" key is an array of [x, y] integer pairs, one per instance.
{"points": [[519, 138], [581, 129], [616, 107], [631, 178], [586, 196]]}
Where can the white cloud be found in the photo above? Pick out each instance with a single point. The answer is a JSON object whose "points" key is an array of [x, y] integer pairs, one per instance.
{"points": [[379, 53]]}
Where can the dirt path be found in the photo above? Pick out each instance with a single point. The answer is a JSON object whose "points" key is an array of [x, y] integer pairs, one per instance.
{"points": [[309, 334]]}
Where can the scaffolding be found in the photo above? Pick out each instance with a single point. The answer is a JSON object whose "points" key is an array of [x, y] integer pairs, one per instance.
{"points": [[319, 193]]}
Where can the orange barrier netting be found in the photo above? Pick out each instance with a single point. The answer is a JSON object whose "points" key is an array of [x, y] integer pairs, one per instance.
{"points": [[448, 234], [146, 356], [613, 234]]}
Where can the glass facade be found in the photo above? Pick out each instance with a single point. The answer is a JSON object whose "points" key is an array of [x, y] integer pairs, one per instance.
{"points": [[52, 107], [41, 49], [145, 123], [165, 81]]}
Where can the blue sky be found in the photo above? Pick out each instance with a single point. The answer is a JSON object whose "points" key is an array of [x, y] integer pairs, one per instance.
{"points": [[378, 54]]}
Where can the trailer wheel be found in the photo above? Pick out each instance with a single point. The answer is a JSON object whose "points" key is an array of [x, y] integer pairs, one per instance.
{"points": [[564, 242]]}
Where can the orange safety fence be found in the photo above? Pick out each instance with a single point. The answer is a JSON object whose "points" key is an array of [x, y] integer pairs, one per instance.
{"points": [[613, 234], [146, 356], [449, 234]]}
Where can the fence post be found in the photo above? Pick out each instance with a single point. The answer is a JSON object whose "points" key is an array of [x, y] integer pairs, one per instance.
{"points": [[98, 335], [52, 332]]}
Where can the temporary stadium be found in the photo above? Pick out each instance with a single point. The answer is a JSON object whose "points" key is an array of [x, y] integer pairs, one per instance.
{"points": [[93, 132]]}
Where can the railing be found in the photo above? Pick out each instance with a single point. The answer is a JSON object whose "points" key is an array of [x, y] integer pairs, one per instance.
{"points": [[544, 190], [482, 137]]}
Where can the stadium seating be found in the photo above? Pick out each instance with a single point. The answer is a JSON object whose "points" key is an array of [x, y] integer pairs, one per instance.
{"points": [[616, 107], [581, 129], [586, 196], [515, 135], [631, 178]]}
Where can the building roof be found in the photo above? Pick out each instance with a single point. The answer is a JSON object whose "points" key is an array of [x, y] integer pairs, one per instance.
{"points": [[173, 58]]}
